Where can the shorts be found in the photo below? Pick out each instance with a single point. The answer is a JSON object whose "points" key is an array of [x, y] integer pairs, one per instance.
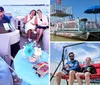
{"points": [[67, 73], [42, 27]]}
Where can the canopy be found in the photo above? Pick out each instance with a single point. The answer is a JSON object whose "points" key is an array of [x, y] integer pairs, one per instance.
{"points": [[93, 9]]}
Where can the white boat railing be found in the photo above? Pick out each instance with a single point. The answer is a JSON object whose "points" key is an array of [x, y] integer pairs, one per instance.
{"points": [[72, 25], [60, 9], [76, 25]]}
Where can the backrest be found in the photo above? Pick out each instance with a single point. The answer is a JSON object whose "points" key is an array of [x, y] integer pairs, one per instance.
{"points": [[81, 65], [97, 66]]}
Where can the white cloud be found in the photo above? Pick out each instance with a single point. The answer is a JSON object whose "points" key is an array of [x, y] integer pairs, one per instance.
{"points": [[59, 46], [88, 54], [80, 52], [93, 46]]}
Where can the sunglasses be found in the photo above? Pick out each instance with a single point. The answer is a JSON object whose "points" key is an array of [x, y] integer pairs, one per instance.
{"points": [[71, 56]]}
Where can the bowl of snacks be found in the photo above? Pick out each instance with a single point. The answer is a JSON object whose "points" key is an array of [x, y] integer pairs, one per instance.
{"points": [[32, 59]]}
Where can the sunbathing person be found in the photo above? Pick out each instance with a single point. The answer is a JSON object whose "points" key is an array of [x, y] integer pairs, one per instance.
{"points": [[86, 71], [42, 23], [30, 24], [71, 68]]}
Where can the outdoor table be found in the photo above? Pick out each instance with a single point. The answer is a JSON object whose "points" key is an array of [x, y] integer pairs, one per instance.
{"points": [[24, 70]]}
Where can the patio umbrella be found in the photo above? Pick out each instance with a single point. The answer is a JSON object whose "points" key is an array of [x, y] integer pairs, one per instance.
{"points": [[93, 10]]}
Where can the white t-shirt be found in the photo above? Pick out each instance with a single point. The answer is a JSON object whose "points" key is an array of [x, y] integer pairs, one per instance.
{"points": [[43, 22]]}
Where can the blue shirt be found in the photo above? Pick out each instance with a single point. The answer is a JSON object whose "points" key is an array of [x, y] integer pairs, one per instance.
{"points": [[73, 65], [5, 19]]}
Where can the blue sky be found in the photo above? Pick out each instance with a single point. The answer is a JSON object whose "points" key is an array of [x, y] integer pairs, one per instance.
{"points": [[79, 6], [3, 2], [81, 51]]}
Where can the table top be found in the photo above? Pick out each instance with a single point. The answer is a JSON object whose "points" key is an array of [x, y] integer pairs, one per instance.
{"points": [[24, 69]]}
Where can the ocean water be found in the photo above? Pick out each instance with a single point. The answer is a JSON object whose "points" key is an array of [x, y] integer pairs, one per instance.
{"points": [[24, 10]]}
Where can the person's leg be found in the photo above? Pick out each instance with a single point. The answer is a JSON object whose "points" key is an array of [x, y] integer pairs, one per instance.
{"points": [[38, 30], [71, 77], [77, 75], [58, 77], [29, 33], [87, 78], [40, 34]]}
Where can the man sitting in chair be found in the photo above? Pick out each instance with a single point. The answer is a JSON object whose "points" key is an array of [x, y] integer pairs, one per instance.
{"points": [[70, 68], [3, 19], [86, 70], [5, 27]]}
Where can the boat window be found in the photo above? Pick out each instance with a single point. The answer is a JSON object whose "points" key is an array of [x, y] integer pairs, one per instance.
{"points": [[89, 25], [72, 24]]}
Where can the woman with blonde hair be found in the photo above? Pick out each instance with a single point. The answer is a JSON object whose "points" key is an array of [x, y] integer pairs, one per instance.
{"points": [[42, 23]]}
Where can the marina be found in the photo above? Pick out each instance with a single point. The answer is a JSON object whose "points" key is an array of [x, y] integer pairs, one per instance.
{"points": [[64, 24]]}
